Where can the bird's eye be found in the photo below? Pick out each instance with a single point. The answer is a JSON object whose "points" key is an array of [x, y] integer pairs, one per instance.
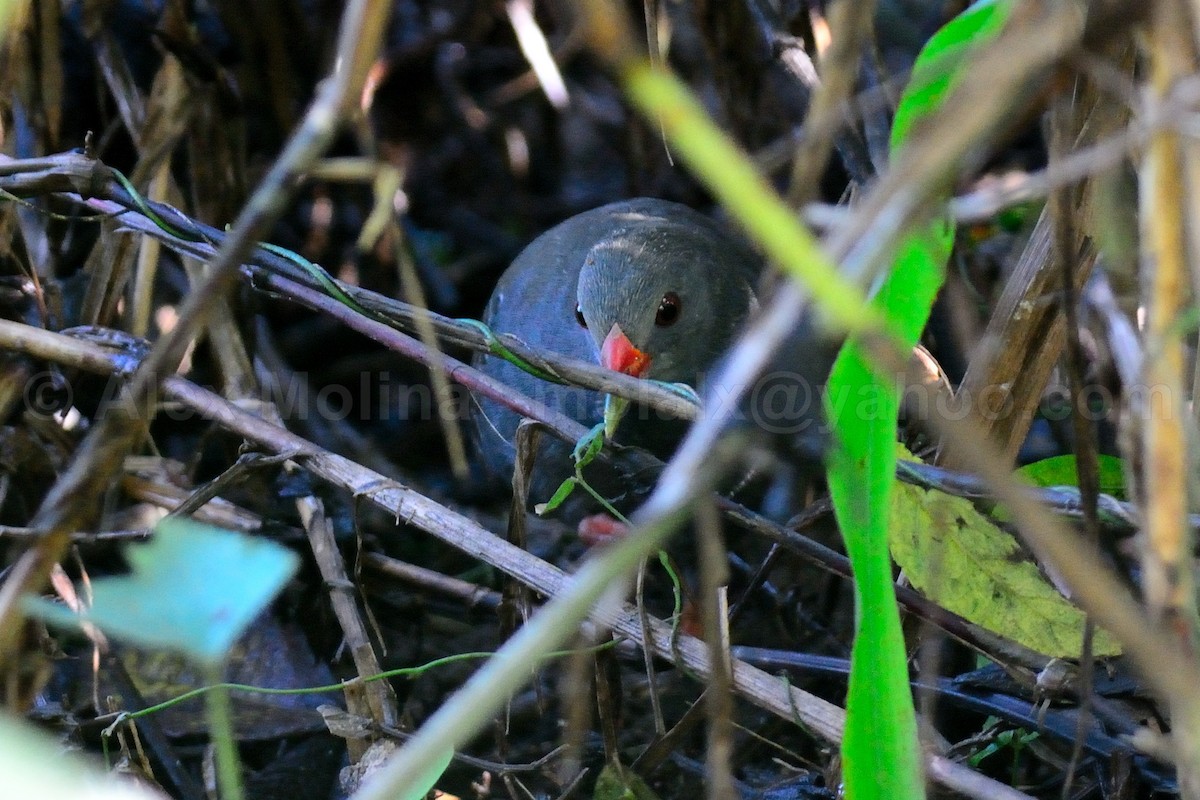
{"points": [[579, 316], [669, 309]]}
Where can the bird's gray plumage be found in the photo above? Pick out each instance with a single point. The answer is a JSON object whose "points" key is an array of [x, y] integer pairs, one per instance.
{"points": [[617, 262]]}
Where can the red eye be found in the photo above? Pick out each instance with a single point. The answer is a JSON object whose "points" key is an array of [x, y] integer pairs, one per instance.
{"points": [[669, 309], [579, 316]]}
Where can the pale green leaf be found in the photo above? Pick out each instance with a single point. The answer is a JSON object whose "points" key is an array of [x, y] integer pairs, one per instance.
{"points": [[420, 788], [193, 588], [32, 765]]}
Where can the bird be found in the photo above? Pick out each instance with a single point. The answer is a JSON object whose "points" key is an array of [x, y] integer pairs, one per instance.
{"points": [[646, 287]]}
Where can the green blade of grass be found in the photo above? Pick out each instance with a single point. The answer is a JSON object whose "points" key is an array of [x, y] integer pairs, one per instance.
{"points": [[880, 751]]}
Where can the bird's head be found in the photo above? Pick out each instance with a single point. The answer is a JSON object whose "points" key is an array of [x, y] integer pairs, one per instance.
{"points": [[656, 306]]}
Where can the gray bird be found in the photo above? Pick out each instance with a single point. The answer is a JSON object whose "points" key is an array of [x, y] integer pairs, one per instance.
{"points": [[645, 287]]}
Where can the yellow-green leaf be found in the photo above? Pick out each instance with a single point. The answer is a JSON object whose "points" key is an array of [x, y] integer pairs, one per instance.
{"points": [[617, 782], [956, 557]]}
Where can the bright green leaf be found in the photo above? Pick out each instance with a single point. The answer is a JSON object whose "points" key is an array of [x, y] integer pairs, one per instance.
{"points": [[614, 411], [560, 495], [1060, 471], [937, 65], [590, 444], [193, 588]]}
